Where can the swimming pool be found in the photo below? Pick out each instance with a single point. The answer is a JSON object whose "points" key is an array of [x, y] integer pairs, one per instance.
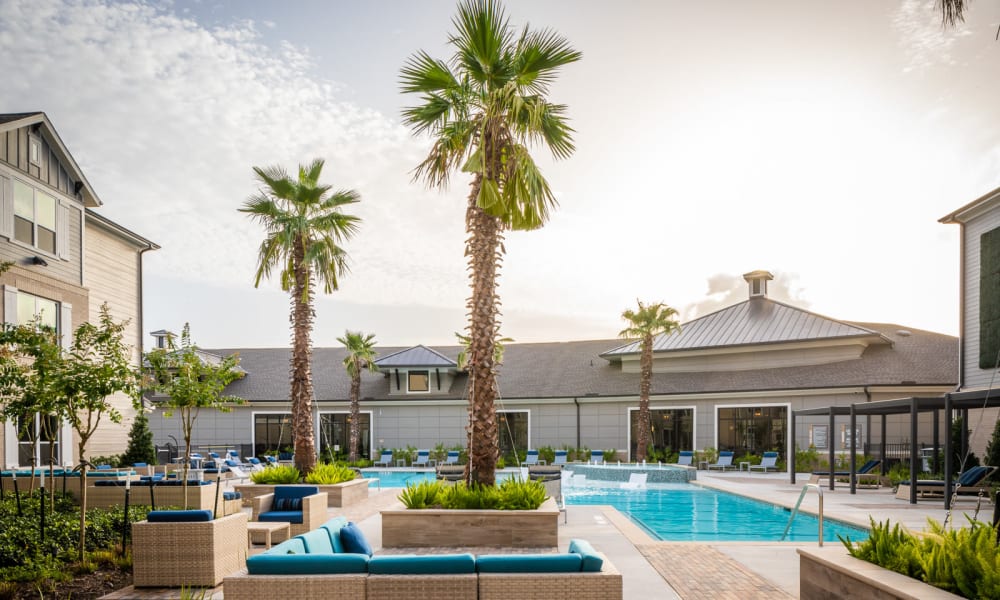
{"points": [[391, 478], [685, 512]]}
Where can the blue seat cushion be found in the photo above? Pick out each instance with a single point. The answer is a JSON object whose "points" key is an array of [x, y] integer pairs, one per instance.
{"points": [[591, 561], [306, 564], [177, 516], [231, 495], [317, 541], [528, 563], [281, 515], [293, 545], [354, 540], [333, 527], [422, 564]]}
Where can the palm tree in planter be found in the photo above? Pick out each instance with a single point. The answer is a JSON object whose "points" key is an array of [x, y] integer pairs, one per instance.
{"points": [[646, 323], [305, 226], [482, 109], [360, 355]]}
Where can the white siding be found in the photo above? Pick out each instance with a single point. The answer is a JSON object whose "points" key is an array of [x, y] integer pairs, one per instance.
{"points": [[974, 377]]}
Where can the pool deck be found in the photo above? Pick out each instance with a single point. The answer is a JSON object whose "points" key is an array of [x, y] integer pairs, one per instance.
{"points": [[687, 570]]}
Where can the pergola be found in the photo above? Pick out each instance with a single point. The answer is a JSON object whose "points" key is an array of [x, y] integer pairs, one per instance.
{"points": [[948, 403]]}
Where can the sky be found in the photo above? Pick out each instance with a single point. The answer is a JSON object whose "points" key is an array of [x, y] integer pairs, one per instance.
{"points": [[821, 141]]}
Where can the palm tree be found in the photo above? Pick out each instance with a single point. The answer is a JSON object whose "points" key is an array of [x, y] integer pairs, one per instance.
{"points": [[645, 324], [305, 225], [482, 109], [360, 355]]}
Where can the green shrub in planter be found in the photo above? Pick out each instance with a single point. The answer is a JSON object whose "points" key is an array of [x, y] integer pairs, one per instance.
{"points": [[421, 495], [281, 474], [512, 494], [330, 474]]}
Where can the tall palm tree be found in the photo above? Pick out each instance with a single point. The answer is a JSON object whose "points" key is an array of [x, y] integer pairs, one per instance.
{"points": [[305, 224], [360, 355], [482, 109], [645, 324]]}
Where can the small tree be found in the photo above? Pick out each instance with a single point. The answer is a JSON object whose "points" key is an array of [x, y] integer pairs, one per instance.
{"points": [[191, 380], [360, 355], [140, 442]]}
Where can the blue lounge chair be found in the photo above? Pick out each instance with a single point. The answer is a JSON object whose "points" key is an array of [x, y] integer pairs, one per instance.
{"points": [[385, 459], [531, 459], [453, 456], [560, 458], [686, 458], [423, 458], [597, 457], [970, 483], [725, 461], [769, 462], [865, 469]]}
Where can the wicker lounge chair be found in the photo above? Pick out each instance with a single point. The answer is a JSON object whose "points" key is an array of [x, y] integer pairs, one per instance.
{"points": [[173, 553], [310, 514]]}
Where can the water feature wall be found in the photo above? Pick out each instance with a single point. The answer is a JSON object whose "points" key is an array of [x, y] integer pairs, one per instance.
{"points": [[654, 473]]}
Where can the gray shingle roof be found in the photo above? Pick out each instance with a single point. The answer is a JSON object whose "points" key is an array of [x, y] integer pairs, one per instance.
{"points": [[568, 369], [417, 356], [753, 321]]}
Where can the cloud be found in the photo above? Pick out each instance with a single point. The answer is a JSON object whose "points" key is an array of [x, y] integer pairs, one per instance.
{"points": [[725, 289], [166, 118]]}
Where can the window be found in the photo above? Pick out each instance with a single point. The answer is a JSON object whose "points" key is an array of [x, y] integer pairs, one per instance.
{"points": [[34, 149], [272, 433], [989, 299], [335, 432], [670, 430], [512, 431], [752, 429], [37, 439], [34, 217], [29, 306], [418, 381]]}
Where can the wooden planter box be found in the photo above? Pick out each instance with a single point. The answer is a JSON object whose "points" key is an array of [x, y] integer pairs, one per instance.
{"points": [[830, 573], [508, 528], [337, 495]]}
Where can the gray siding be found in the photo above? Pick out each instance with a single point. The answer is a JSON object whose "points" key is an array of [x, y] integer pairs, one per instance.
{"points": [[973, 376]]}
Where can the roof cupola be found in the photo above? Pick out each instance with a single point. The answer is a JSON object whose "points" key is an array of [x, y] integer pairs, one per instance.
{"points": [[757, 280]]}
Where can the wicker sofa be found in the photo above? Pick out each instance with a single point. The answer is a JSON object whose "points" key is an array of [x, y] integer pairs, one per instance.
{"points": [[320, 565], [303, 506], [186, 548]]}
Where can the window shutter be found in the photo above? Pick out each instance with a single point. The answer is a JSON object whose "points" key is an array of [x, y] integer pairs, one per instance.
{"points": [[62, 229], [66, 324], [9, 304], [6, 208], [67, 445], [10, 444]]}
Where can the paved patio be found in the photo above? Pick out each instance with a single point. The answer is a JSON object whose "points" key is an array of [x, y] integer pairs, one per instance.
{"points": [[687, 570]]}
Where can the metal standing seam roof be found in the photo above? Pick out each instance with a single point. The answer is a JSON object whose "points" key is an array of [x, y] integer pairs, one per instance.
{"points": [[753, 321], [417, 356]]}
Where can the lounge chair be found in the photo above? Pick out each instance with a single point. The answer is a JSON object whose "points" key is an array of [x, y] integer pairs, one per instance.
{"points": [[560, 458], [636, 481], [453, 456], [597, 457], [686, 458], [865, 475], [236, 469], [423, 459], [531, 459], [769, 462], [271, 459], [303, 506], [725, 461], [970, 483], [385, 459]]}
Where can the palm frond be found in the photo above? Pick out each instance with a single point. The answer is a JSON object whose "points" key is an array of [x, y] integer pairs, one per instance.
{"points": [[527, 196], [538, 57], [426, 75], [482, 41], [952, 11]]}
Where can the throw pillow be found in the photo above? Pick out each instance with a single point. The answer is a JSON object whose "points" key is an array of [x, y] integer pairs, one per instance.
{"points": [[288, 504], [354, 540]]}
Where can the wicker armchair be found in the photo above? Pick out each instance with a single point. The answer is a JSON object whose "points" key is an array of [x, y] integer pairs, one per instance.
{"points": [[310, 516], [188, 553]]}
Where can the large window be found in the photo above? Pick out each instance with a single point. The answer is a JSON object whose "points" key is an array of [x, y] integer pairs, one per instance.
{"points": [[38, 440], [335, 435], [753, 429], [30, 306], [670, 431], [34, 217], [418, 381], [513, 432], [272, 433]]}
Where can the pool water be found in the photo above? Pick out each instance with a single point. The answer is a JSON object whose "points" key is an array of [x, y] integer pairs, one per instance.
{"points": [[400, 478], [685, 512]]}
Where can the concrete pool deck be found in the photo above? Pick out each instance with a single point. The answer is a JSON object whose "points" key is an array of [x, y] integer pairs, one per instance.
{"points": [[687, 570]]}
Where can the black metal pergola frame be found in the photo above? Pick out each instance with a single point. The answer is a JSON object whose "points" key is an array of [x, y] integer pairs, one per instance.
{"points": [[978, 399]]}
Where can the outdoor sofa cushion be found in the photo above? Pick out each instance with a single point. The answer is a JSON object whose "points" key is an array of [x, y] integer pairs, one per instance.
{"points": [[333, 527], [422, 564], [528, 563], [591, 561], [354, 540], [306, 564], [287, 516], [178, 516]]}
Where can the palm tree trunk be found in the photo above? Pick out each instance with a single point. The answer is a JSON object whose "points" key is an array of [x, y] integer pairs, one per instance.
{"points": [[483, 249], [301, 370], [352, 454], [645, 378]]}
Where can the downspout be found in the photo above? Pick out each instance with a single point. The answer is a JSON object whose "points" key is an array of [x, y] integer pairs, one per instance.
{"points": [[576, 401], [148, 247]]}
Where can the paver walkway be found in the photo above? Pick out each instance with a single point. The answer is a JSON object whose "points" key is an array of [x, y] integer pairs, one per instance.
{"points": [[697, 571]]}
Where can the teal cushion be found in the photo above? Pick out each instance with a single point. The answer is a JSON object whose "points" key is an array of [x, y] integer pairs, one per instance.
{"points": [[528, 563], [281, 515], [306, 564], [333, 527], [422, 564], [354, 540], [317, 541], [293, 545], [590, 559], [178, 516]]}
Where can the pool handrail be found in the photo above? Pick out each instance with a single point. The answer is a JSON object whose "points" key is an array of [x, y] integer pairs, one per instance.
{"points": [[795, 511]]}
